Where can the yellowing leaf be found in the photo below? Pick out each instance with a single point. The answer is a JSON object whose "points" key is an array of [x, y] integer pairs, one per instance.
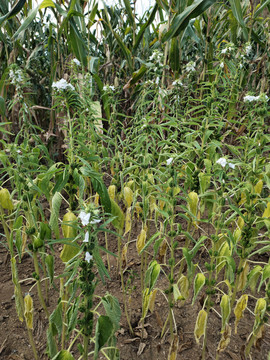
{"points": [[258, 187], [112, 191], [243, 199], [225, 339], [96, 201], [46, 3], [128, 221], [161, 204], [69, 232], [266, 213], [198, 284], [240, 222], [225, 310], [176, 293], [28, 311], [239, 309], [223, 252], [193, 200], [152, 202], [259, 311], [243, 277], [138, 209], [69, 219], [200, 326], [146, 300], [152, 300], [124, 255], [237, 235], [141, 241], [5, 199], [128, 196], [184, 286], [174, 348]]}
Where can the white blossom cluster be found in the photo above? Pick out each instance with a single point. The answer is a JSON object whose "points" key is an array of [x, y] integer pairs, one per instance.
{"points": [[77, 62], [251, 98], [190, 67], [223, 162], [16, 76], [156, 57], [177, 82], [86, 216], [248, 49], [108, 88], [62, 85], [228, 49]]}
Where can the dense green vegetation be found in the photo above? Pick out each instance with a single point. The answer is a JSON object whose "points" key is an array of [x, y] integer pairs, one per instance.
{"points": [[160, 120]]}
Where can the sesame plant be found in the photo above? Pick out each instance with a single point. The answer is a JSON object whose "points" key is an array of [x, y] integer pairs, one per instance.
{"points": [[143, 138]]}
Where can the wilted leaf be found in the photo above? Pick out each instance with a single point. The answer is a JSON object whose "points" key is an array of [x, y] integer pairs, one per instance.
{"points": [[225, 310], [200, 326], [198, 285], [239, 309]]}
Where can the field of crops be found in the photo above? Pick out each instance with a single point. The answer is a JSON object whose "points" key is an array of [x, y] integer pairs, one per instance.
{"points": [[134, 180]]}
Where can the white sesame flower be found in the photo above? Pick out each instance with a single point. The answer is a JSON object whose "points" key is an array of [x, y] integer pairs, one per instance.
{"points": [[250, 98], [76, 61], [263, 97], [241, 66], [62, 85], [248, 49], [19, 151], [85, 217], [223, 51], [190, 67], [232, 166], [16, 76], [221, 161], [177, 82], [88, 257], [108, 88], [169, 161], [221, 65], [95, 221], [86, 238]]}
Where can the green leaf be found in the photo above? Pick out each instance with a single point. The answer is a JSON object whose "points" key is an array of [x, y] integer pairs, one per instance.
{"points": [[56, 203], [238, 14], [63, 355], [119, 220], [17, 8], [52, 348], [56, 320], [129, 12], [2, 106], [149, 242], [112, 308], [77, 43], [136, 76], [181, 21], [104, 330], [144, 27]]}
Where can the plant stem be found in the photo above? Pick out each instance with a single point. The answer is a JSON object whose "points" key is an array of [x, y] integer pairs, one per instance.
{"points": [[41, 299]]}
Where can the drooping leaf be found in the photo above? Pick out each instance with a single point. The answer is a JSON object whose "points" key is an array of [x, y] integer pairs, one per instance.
{"points": [[104, 330], [181, 21]]}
